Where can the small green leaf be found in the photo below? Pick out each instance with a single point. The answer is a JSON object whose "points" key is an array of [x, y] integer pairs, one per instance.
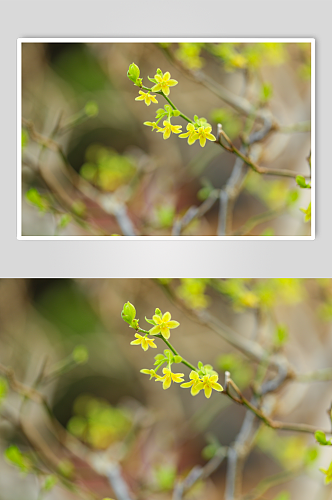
{"points": [[153, 80], [300, 180], [36, 199], [150, 321], [266, 92], [321, 438], [14, 456], [64, 220], [281, 335], [50, 482]]}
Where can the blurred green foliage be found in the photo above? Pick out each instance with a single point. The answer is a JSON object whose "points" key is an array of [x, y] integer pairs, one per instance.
{"points": [[98, 423], [107, 169]]}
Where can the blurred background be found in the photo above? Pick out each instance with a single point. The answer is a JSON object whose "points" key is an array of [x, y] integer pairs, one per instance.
{"points": [[90, 167], [65, 339]]}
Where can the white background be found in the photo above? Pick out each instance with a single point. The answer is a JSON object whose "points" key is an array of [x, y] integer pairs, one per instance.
{"points": [[177, 18]]}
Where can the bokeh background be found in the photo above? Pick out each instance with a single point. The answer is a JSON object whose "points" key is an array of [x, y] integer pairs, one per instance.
{"points": [[66, 338], [112, 168]]}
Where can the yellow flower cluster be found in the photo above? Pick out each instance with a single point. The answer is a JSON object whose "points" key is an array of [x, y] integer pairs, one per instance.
{"points": [[207, 382]]}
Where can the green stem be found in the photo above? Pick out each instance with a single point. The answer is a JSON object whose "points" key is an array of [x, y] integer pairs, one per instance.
{"points": [[174, 351], [170, 103]]}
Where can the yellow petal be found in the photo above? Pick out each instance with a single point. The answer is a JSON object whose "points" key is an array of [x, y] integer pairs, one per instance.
{"points": [[151, 343], [171, 83], [202, 141], [156, 319], [172, 324], [156, 88], [217, 387], [195, 389], [167, 76], [207, 391], [155, 330], [136, 342], [167, 382], [184, 135], [207, 130], [192, 138], [165, 332], [153, 99], [140, 98], [214, 378], [187, 384], [165, 90], [158, 78], [145, 346], [167, 133], [166, 317], [210, 137]]}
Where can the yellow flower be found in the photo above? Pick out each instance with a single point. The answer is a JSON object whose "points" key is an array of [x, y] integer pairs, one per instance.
{"points": [[153, 125], [193, 383], [164, 325], [152, 373], [170, 377], [164, 82], [192, 134], [168, 128], [146, 97], [205, 133], [208, 383], [145, 342]]}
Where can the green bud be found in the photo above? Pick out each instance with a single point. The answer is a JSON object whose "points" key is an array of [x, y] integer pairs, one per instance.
{"points": [[176, 112], [158, 312], [300, 180], [91, 108], [177, 359], [159, 72], [128, 313], [80, 354], [168, 353], [321, 438], [133, 72]]}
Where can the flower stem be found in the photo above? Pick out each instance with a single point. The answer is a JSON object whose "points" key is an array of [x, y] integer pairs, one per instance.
{"points": [[170, 103]]}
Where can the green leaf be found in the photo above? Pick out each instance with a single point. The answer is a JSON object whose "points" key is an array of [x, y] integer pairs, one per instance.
{"points": [[36, 199], [266, 92], [128, 313], [153, 80], [64, 220], [50, 482], [281, 335], [307, 212], [302, 182], [14, 456], [133, 72], [150, 321], [321, 438]]}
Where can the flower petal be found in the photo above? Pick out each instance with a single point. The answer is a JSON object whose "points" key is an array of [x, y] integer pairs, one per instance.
{"points": [[153, 99], [207, 130], [145, 346], [193, 138], [156, 319], [210, 137], [207, 391], [217, 387], [140, 98], [172, 324], [202, 141], [136, 342], [167, 382], [195, 389], [167, 76], [214, 378], [156, 88], [194, 375], [171, 83], [187, 384], [185, 135], [155, 330], [158, 78], [165, 332], [165, 89], [166, 317]]}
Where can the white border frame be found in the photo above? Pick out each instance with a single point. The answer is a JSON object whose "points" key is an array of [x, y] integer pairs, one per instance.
{"points": [[20, 41]]}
